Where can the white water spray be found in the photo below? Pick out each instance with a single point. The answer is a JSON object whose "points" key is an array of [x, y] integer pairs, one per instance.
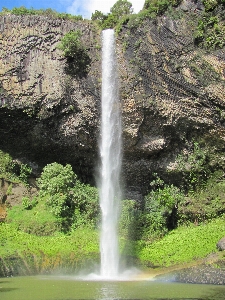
{"points": [[110, 151]]}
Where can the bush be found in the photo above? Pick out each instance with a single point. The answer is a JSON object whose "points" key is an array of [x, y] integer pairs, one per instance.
{"points": [[6, 165], [210, 4], [194, 167], [28, 204], [75, 52], [56, 178], [159, 6], [56, 182], [160, 211], [119, 10], [67, 198], [86, 202]]}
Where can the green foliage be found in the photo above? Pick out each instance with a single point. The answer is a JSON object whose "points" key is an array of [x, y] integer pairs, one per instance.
{"points": [[74, 50], [13, 170], [44, 12], [71, 44], [183, 245], [159, 6], [33, 218], [194, 167], [57, 181], [86, 201], [6, 165], [206, 203], [67, 198], [28, 204], [56, 178], [25, 172], [210, 4], [160, 209], [98, 15], [210, 32], [120, 10], [71, 250]]}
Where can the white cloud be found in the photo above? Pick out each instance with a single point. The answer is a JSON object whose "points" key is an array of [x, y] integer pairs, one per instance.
{"points": [[87, 7], [137, 5]]}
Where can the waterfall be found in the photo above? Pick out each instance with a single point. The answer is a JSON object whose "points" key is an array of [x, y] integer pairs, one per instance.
{"points": [[110, 153]]}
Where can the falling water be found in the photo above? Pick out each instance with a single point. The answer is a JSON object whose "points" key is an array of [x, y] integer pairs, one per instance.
{"points": [[110, 151]]}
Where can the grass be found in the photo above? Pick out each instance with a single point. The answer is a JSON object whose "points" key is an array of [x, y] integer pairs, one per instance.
{"points": [[82, 241], [36, 221], [46, 254], [184, 244]]}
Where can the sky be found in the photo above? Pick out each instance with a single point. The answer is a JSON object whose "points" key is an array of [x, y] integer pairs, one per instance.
{"points": [[74, 7]]}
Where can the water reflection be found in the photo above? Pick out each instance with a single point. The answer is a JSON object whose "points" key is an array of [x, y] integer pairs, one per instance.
{"points": [[108, 292]]}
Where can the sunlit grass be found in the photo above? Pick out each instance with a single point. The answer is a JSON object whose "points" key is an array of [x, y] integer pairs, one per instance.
{"points": [[184, 244]]}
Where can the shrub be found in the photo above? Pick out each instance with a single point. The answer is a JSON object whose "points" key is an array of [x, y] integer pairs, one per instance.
{"points": [[56, 182], [159, 6], [160, 211], [210, 30], [56, 178], [28, 204], [74, 50], [6, 165], [210, 4], [25, 172], [67, 198], [118, 11], [194, 167]]}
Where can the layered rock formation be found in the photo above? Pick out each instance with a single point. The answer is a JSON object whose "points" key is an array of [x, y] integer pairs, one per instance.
{"points": [[171, 93], [47, 114]]}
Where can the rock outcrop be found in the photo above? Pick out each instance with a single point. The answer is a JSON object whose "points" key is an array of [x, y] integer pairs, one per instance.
{"points": [[221, 244], [47, 114], [171, 93]]}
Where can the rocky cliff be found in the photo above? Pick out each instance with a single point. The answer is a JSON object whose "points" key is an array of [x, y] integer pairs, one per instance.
{"points": [[47, 114], [172, 94]]}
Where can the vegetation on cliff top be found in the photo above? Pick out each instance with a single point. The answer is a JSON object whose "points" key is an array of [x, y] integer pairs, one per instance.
{"points": [[209, 25], [44, 12]]}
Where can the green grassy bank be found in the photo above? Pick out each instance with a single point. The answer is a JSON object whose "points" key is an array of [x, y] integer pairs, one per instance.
{"points": [[22, 253]]}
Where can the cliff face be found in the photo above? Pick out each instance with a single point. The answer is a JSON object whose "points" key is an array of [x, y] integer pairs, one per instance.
{"points": [[46, 113], [171, 92]]}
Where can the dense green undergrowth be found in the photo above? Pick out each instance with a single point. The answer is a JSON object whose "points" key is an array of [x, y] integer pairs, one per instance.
{"points": [[177, 224], [183, 245], [180, 246]]}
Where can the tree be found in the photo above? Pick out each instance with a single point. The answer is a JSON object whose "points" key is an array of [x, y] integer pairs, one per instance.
{"points": [[98, 15], [121, 8]]}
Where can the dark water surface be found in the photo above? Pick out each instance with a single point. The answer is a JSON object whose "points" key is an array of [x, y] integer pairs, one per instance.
{"points": [[68, 288]]}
